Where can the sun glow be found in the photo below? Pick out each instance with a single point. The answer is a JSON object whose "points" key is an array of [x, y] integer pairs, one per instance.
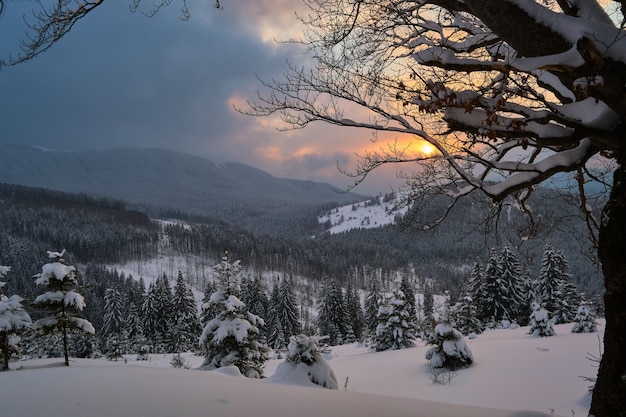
{"points": [[426, 148]]}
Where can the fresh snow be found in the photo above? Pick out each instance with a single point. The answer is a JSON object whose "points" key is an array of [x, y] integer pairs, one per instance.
{"points": [[364, 215], [513, 371]]}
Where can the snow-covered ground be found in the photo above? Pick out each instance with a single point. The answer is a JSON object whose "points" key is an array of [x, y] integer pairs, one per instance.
{"points": [[513, 372], [364, 215]]}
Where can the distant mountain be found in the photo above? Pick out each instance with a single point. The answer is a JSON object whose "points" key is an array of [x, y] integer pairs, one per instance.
{"points": [[173, 181]]}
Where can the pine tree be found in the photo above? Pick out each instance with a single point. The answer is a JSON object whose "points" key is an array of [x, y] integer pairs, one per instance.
{"points": [[186, 324], [409, 293], [396, 328], [450, 351], [208, 311], [373, 302], [513, 285], [463, 317], [554, 291], [288, 312], [540, 322], [429, 302], [61, 300], [355, 311], [231, 338], [275, 335], [13, 319], [585, 322], [113, 321], [332, 318], [254, 296], [163, 310], [150, 314], [113, 328]]}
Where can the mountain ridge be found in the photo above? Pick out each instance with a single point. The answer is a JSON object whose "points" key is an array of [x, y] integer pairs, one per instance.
{"points": [[168, 180]]}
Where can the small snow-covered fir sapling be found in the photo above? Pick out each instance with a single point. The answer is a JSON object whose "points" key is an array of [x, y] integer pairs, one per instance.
{"points": [[60, 300], [585, 322], [232, 337], [541, 325], [304, 361], [450, 351], [13, 319]]}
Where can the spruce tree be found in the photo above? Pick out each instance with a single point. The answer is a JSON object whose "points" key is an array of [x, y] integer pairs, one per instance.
{"points": [[208, 311], [450, 351], [186, 324], [163, 310], [373, 302], [554, 291], [513, 285], [540, 322], [288, 312], [396, 328], [463, 317], [354, 311], [60, 300], [150, 314], [13, 320], [232, 337], [409, 294], [585, 322], [275, 335], [332, 318], [113, 328]]}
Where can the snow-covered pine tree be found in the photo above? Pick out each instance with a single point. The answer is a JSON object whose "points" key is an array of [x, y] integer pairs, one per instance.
{"points": [[232, 337], [331, 314], [208, 311], [288, 312], [585, 322], [450, 351], [254, 296], [513, 284], [163, 310], [373, 302], [186, 324], [396, 329], [274, 329], [60, 300], [429, 302], [409, 294], [354, 311], [13, 319], [305, 360], [149, 315], [113, 328], [554, 291], [463, 316], [113, 320], [541, 325]]}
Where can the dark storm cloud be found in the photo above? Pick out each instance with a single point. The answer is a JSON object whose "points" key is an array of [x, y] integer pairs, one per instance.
{"points": [[122, 79]]}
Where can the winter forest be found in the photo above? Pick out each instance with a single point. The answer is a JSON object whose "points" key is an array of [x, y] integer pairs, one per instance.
{"points": [[228, 313]]}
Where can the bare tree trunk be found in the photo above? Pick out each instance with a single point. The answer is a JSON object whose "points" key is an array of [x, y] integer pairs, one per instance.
{"points": [[65, 348], [609, 394], [6, 352]]}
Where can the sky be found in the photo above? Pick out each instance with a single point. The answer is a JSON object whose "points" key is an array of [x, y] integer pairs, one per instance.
{"points": [[121, 79]]}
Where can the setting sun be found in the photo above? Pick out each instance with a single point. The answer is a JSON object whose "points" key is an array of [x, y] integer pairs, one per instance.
{"points": [[426, 148]]}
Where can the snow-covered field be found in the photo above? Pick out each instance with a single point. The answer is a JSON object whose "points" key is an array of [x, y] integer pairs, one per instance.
{"points": [[512, 372]]}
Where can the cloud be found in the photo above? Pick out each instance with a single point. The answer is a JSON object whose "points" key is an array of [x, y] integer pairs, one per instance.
{"points": [[121, 79]]}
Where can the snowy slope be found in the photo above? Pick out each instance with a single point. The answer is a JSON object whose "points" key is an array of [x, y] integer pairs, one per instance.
{"points": [[513, 372], [376, 212]]}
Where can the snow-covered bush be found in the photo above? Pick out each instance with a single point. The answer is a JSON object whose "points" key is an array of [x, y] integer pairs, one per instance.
{"points": [[541, 324], [585, 322], [450, 351], [305, 362]]}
